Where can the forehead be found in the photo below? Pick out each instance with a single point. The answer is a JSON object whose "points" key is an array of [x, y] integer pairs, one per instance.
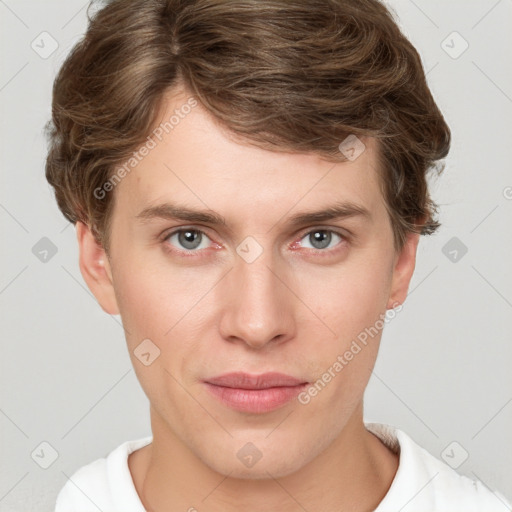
{"points": [[195, 160]]}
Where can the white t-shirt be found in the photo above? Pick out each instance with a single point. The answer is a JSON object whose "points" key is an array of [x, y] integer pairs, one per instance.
{"points": [[421, 484]]}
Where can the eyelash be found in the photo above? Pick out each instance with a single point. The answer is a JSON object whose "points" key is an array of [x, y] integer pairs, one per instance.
{"points": [[195, 253]]}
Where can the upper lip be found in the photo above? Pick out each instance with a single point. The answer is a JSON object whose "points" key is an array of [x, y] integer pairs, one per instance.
{"points": [[243, 380]]}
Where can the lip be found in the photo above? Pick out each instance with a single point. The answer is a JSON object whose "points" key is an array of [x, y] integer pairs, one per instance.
{"points": [[241, 380], [255, 393]]}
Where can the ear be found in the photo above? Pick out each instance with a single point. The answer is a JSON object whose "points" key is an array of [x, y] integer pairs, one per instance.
{"points": [[95, 269], [403, 269]]}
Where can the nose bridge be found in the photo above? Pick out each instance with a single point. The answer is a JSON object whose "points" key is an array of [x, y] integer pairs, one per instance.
{"points": [[260, 307]]}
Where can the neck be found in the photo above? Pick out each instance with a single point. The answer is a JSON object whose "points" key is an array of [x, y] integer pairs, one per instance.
{"points": [[353, 473]]}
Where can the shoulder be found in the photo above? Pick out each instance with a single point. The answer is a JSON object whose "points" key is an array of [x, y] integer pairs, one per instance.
{"points": [[423, 482], [86, 490], [97, 485]]}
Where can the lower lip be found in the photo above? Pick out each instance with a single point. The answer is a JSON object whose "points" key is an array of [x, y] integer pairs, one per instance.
{"points": [[255, 400]]}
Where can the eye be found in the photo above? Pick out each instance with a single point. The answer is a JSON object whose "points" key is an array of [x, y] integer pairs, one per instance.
{"points": [[192, 240], [188, 239], [321, 239]]}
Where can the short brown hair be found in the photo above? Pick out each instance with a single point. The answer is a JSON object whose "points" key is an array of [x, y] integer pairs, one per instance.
{"points": [[286, 76]]}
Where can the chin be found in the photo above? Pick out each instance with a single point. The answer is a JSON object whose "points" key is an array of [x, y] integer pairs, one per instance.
{"points": [[260, 471], [260, 460]]}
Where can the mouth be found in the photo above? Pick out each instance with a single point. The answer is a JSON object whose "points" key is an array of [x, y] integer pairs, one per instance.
{"points": [[255, 393]]}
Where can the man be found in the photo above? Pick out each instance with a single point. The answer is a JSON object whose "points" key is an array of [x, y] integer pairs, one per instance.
{"points": [[248, 181]]}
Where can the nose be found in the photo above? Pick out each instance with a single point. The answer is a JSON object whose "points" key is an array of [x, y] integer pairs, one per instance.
{"points": [[259, 308]]}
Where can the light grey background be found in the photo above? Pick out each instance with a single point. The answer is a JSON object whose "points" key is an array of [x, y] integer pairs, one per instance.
{"points": [[444, 369]]}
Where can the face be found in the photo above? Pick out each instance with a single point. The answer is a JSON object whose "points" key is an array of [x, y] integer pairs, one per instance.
{"points": [[262, 291]]}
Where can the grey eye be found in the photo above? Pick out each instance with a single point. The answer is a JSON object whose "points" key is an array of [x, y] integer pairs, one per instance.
{"points": [[320, 238], [189, 239]]}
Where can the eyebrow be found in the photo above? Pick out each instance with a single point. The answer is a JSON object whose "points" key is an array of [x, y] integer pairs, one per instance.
{"points": [[170, 211]]}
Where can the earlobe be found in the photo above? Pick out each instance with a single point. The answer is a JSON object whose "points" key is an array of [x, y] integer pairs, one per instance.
{"points": [[95, 269], [403, 270]]}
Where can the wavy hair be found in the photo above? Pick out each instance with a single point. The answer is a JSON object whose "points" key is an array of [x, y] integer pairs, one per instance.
{"points": [[295, 76]]}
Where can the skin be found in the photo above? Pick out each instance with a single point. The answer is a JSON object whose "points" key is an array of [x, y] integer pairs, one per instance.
{"points": [[293, 310]]}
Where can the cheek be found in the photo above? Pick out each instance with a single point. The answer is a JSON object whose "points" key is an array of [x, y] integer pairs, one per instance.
{"points": [[150, 297], [154, 312], [353, 308], [347, 299], [142, 305], [351, 302], [166, 306]]}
